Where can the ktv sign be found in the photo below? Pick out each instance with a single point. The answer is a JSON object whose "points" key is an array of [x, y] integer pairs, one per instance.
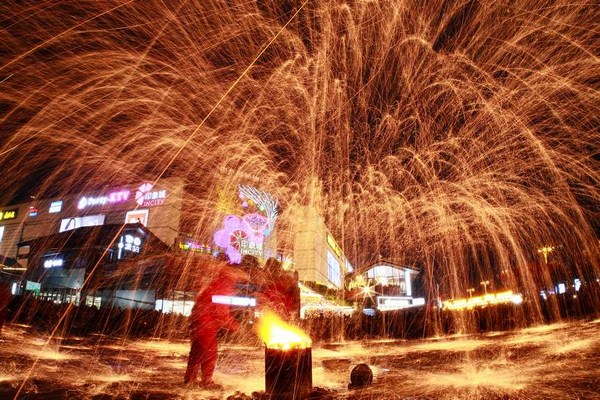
{"points": [[144, 196]]}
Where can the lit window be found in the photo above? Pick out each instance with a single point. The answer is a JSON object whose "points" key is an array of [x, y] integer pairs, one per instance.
{"points": [[137, 216], [55, 206], [333, 270]]}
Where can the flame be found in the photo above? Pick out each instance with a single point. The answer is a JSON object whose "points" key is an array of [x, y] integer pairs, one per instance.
{"points": [[277, 334]]}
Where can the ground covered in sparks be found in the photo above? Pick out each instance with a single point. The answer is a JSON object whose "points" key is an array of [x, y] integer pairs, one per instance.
{"points": [[560, 361]]}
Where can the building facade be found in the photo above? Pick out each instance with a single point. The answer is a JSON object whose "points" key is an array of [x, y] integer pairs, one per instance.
{"points": [[317, 255], [157, 206]]}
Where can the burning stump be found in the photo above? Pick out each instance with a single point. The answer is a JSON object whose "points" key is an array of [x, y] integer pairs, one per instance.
{"points": [[288, 373]]}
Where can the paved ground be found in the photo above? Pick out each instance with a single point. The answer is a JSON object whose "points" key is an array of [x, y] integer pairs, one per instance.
{"points": [[560, 361]]}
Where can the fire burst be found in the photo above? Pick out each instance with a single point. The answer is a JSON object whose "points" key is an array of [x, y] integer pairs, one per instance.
{"points": [[459, 137]]}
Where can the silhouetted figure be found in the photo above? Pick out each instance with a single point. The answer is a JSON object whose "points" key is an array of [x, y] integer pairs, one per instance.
{"points": [[206, 319], [5, 298], [280, 292]]}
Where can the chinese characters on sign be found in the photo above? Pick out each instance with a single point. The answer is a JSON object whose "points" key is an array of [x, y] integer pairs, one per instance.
{"points": [[145, 197], [129, 243]]}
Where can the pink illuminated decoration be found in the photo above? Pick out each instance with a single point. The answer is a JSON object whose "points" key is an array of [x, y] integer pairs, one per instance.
{"points": [[240, 235], [229, 237]]}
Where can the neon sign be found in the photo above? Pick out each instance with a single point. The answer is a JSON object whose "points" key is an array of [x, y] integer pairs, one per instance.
{"points": [[145, 197], [245, 234], [112, 198], [9, 214], [53, 262], [483, 301], [129, 243]]}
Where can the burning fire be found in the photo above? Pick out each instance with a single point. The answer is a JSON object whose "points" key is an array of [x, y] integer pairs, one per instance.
{"points": [[277, 334]]}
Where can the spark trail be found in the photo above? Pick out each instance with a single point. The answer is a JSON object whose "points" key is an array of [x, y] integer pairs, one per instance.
{"points": [[459, 137]]}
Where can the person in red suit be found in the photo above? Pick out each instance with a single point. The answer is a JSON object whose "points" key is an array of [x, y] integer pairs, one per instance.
{"points": [[5, 298], [206, 319]]}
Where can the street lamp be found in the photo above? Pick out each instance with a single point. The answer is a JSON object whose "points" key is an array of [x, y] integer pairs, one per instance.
{"points": [[485, 285], [470, 291], [545, 251]]}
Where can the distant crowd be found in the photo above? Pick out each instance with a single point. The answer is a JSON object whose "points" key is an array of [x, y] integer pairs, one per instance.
{"points": [[323, 327]]}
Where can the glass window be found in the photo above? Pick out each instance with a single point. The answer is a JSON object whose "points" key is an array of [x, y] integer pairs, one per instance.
{"points": [[333, 270]]}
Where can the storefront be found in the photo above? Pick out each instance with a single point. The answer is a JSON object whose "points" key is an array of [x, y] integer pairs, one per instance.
{"points": [[78, 265], [386, 287]]}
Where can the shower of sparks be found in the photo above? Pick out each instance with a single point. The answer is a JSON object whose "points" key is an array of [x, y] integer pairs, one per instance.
{"points": [[459, 137], [556, 363], [456, 137]]}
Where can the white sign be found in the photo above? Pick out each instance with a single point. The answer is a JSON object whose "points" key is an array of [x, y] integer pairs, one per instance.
{"points": [[129, 243], [55, 206], [251, 248], [53, 262], [68, 224], [234, 300], [393, 302]]}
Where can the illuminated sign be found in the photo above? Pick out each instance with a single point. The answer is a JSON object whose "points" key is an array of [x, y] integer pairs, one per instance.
{"points": [[234, 301], [9, 214], [251, 248], [31, 286], [112, 198], [393, 302], [145, 197], [245, 234], [191, 245], [129, 243], [137, 216], [482, 301], [33, 211], [55, 206], [1, 233], [53, 262], [68, 224]]}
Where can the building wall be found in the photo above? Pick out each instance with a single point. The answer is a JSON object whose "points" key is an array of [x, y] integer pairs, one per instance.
{"points": [[311, 248], [163, 219]]}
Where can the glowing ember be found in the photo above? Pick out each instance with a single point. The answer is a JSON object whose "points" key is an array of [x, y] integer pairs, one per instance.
{"points": [[505, 378], [277, 334]]}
